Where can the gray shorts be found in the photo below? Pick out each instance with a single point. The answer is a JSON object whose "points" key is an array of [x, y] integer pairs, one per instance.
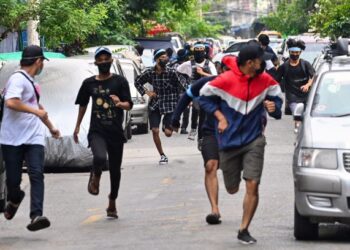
{"points": [[249, 159]]}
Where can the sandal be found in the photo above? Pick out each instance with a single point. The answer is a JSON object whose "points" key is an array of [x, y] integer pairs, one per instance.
{"points": [[11, 209], [213, 219], [92, 187]]}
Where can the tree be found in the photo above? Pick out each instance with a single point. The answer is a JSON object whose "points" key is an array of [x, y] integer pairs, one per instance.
{"points": [[68, 23], [331, 18], [291, 18], [15, 13]]}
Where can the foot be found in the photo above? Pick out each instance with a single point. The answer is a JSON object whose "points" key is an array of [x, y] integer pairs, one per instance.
{"points": [[111, 210], [11, 208], [213, 219], [38, 223], [94, 184], [163, 160], [183, 131], [192, 134], [245, 238]]}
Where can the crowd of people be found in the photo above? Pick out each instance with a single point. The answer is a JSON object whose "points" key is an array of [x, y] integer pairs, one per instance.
{"points": [[228, 104]]}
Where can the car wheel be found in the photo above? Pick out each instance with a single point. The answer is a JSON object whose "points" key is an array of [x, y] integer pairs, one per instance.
{"points": [[303, 228], [128, 132], [143, 128]]}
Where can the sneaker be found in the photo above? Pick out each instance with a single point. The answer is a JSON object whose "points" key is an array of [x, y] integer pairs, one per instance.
{"points": [[183, 131], [192, 134], [245, 238], [163, 160], [38, 223]]}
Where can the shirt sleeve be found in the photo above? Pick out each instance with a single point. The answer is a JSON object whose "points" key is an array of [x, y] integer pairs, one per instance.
{"points": [[310, 69], [179, 79], [142, 80], [83, 95], [274, 94], [185, 68], [14, 88], [125, 95], [213, 70]]}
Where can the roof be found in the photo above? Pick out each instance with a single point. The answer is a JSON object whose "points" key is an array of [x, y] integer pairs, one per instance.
{"points": [[18, 55]]}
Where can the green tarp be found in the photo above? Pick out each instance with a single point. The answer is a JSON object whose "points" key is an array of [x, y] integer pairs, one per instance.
{"points": [[18, 55]]}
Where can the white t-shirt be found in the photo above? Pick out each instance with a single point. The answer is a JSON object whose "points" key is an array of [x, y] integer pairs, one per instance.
{"points": [[186, 68], [19, 128]]}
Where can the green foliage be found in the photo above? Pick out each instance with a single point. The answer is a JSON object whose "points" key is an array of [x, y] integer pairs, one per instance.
{"points": [[332, 18], [14, 13], [69, 22], [291, 18]]}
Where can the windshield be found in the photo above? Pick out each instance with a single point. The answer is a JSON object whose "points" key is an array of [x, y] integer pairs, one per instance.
{"points": [[332, 95], [236, 47]]}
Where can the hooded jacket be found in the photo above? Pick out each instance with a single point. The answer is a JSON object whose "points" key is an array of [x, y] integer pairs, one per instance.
{"points": [[241, 102]]}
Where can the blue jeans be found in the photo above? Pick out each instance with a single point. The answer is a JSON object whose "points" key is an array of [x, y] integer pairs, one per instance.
{"points": [[34, 158]]}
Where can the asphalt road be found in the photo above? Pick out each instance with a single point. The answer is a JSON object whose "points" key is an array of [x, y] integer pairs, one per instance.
{"points": [[164, 207]]}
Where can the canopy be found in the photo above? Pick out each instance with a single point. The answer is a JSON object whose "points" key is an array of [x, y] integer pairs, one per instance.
{"points": [[18, 55]]}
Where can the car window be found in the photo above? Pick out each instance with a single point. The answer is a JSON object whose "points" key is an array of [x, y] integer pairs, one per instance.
{"points": [[235, 47], [332, 95]]}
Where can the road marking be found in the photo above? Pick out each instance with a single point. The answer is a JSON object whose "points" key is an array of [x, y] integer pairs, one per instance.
{"points": [[93, 219], [167, 181]]}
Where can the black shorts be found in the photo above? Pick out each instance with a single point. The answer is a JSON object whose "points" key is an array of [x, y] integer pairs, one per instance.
{"points": [[210, 148], [155, 117]]}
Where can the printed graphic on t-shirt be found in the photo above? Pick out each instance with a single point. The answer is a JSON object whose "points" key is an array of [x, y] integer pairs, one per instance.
{"points": [[104, 105]]}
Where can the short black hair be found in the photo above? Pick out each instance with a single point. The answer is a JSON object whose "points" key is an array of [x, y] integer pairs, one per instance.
{"points": [[264, 39], [139, 49], [169, 52], [294, 43], [249, 52]]}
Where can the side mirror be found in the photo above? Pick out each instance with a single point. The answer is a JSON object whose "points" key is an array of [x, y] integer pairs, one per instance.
{"points": [[298, 112]]}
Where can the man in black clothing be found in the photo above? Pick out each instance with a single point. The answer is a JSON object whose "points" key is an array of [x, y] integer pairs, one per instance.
{"points": [[110, 95], [297, 75], [209, 146], [166, 84]]}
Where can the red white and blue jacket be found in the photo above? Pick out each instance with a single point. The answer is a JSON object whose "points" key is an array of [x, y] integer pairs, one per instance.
{"points": [[241, 102]]}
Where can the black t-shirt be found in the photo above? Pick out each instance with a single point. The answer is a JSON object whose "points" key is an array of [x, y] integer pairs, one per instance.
{"points": [[294, 78], [106, 118]]}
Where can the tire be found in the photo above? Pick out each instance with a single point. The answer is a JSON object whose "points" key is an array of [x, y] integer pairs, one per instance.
{"points": [[303, 228], [128, 132], [143, 128]]}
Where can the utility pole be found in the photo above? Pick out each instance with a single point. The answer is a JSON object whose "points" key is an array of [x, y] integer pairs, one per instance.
{"points": [[32, 25]]}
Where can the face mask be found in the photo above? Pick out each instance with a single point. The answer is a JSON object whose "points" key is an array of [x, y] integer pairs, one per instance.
{"points": [[163, 63], [104, 68], [39, 71], [199, 56], [294, 57]]}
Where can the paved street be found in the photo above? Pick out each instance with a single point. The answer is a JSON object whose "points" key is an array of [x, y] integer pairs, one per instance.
{"points": [[164, 207]]}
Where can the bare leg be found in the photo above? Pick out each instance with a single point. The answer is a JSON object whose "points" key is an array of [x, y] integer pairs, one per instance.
{"points": [[250, 203], [212, 185], [156, 139]]}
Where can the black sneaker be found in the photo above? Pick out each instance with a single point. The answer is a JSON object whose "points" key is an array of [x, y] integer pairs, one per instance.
{"points": [[38, 223], [245, 238], [163, 160]]}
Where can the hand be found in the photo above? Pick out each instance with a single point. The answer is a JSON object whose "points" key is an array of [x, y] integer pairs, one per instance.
{"points": [[222, 126], [151, 94], [200, 71], [115, 99], [75, 135], [55, 133], [42, 114], [270, 106], [305, 88]]}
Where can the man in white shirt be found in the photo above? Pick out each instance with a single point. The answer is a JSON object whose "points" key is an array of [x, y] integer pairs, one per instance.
{"points": [[22, 137], [195, 69]]}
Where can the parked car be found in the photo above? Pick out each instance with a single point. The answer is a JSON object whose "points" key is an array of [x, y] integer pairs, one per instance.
{"points": [[139, 112], [234, 49], [60, 82], [321, 160]]}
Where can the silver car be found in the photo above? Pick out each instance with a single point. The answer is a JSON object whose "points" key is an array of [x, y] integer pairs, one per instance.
{"points": [[321, 162]]}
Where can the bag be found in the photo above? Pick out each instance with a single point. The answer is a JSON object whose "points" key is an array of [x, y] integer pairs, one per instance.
{"points": [[2, 95]]}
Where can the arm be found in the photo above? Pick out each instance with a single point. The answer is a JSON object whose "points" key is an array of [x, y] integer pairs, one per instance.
{"points": [[311, 72], [17, 105], [184, 101], [124, 100], [142, 80], [54, 132], [273, 101], [180, 80], [81, 114]]}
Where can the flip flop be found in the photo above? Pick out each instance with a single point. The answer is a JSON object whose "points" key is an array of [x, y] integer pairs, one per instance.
{"points": [[11, 209], [213, 219], [90, 190], [38, 223]]}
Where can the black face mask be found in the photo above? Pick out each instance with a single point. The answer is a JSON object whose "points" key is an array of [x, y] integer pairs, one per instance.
{"points": [[104, 68], [163, 63], [199, 56], [294, 57]]}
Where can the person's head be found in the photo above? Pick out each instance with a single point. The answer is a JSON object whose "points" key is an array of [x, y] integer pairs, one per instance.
{"points": [[224, 65], [199, 52], [139, 49], [161, 58], [33, 59], [264, 41], [250, 60], [182, 55], [295, 48], [169, 52], [103, 60]]}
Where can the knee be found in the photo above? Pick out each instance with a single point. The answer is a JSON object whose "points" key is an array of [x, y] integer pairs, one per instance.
{"points": [[252, 187], [211, 167], [155, 131], [100, 160], [168, 132], [232, 190]]}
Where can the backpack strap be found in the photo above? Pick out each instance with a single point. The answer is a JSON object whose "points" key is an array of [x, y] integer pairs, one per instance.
{"points": [[36, 92]]}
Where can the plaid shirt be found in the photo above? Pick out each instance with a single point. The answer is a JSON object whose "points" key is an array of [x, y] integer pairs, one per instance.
{"points": [[167, 85]]}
